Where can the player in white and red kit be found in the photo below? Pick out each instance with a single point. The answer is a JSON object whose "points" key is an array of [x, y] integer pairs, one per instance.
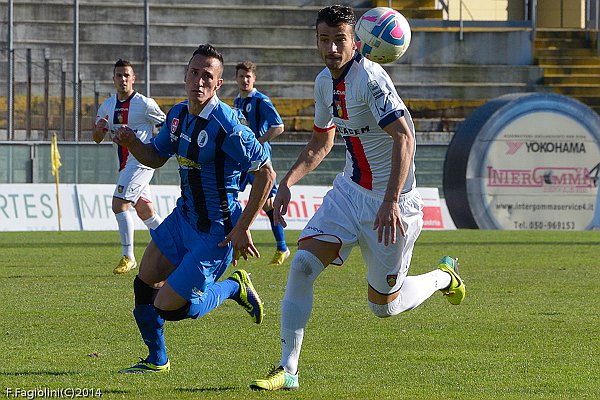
{"points": [[129, 108], [373, 202]]}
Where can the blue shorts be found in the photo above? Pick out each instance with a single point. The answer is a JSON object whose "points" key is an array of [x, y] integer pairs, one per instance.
{"points": [[200, 261]]}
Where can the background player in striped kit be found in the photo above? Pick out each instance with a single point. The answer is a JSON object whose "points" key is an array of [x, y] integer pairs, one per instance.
{"points": [[142, 115], [266, 123], [195, 244], [373, 204]]}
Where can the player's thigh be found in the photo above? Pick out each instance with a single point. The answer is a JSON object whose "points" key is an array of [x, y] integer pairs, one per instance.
{"points": [[144, 208], [333, 223], [168, 299], [155, 267], [120, 205], [200, 268], [387, 266]]}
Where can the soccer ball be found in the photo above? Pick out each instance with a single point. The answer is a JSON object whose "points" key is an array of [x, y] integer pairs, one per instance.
{"points": [[382, 35]]}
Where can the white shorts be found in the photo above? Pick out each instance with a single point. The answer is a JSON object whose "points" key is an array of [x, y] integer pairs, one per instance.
{"points": [[346, 217], [134, 184]]}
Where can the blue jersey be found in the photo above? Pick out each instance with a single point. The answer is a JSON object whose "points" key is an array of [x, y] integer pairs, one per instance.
{"points": [[259, 112], [212, 149]]}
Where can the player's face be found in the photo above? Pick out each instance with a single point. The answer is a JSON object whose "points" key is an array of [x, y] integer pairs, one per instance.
{"points": [[124, 78], [336, 46], [245, 80], [202, 78]]}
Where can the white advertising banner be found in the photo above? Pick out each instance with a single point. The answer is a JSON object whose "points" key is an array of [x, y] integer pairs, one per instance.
{"points": [[33, 207], [28, 207]]}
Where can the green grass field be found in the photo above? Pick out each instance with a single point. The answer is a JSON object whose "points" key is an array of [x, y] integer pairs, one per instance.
{"points": [[528, 328]]}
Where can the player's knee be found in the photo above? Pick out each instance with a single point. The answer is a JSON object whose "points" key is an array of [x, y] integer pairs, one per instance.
{"points": [[386, 310], [268, 206], [174, 315], [307, 264], [143, 209]]}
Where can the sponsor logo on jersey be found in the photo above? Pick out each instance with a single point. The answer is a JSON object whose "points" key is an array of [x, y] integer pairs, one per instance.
{"points": [[202, 138], [382, 99], [391, 280], [186, 163], [185, 137], [174, 124], [345, 131], [375, 90]]}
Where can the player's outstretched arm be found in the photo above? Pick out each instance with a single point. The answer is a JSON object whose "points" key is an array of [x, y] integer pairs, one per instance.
{"points": [[144, 153], [314, 152]]}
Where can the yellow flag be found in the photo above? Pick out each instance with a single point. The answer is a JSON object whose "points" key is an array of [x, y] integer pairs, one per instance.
{"points": [[55, 156]]}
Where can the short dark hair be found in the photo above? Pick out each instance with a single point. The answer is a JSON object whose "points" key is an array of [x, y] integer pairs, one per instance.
{"points": [[207, 50], [336, 15], [122, 63], [246, 66]]}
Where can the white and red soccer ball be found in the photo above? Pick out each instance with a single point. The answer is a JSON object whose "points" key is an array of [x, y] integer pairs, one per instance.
{"points": [[382, 35]]}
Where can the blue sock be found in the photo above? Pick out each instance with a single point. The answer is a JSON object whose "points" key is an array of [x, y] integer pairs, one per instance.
{"points": [[277, 233], [213, 297], [151, 325]]}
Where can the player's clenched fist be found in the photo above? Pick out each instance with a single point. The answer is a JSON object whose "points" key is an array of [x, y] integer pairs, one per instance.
{"points": [[124, 136]]}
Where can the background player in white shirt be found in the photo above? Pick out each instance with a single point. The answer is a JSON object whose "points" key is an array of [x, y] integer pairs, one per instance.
{"points": [[142, 114], [373, 203]]}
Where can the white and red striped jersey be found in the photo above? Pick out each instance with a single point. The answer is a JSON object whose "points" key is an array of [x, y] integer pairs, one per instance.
{"points": [[360, 103], [138, 112]]}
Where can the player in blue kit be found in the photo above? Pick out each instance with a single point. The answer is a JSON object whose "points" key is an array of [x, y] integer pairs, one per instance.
{"points": [[265, 122], [208, 229]]}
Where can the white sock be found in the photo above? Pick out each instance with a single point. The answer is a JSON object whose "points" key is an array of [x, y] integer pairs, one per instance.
{"points": [[153, 222], [296, 306], [126, 229], [414, 291]]}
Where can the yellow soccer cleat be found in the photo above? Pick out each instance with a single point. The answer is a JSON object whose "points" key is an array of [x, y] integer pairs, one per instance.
{"points": [[280, 256], [455, 293], [277, 379], [248, 297], [125, 265], [144, 366]]}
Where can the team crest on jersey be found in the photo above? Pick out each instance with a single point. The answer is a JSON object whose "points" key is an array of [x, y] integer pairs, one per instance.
{"points": [[202, 138], [339, 109], [391, 280], [120, 189], [120, 118], [174, 124], [248, 107]]}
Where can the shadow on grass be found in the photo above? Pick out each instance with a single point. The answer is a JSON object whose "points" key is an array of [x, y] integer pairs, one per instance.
{"points": [[208, 389], [511, 243], [37, 373], [42, 245]]}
